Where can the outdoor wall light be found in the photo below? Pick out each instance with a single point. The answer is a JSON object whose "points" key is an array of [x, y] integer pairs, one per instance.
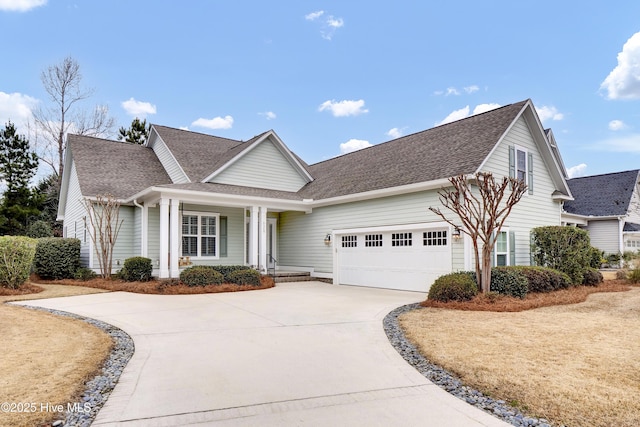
{"points": [[457, 234], [327, 239]]}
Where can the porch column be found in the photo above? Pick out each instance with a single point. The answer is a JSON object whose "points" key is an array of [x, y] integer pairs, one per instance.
{"points": [[164, 238], [253, 237], [175, 238], [262, 265]]}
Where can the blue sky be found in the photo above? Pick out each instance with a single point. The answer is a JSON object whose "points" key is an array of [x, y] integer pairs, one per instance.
{"points": [[330, 76]]}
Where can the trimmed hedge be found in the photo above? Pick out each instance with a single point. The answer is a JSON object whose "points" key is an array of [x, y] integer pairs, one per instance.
{"points": [[592, 277], [84, 274], [226, 270], [510, 282], [453, 287], [16, 258], [201, 275], [567, 249], [136, 269], [543, 279], [246, 276], [57, 258]]}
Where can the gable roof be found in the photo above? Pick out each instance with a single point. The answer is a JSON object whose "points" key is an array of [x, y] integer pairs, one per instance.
{"points": [[602, 195], [118, 168], [438, 153]]}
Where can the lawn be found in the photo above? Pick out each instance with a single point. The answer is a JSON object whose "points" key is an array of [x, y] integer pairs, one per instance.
{"points": [[575, 364]]}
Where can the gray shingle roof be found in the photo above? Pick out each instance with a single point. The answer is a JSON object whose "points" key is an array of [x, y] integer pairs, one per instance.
{"points": [[121, 169], [441, 152], [602, 195], [209, 187], [631, 227]]}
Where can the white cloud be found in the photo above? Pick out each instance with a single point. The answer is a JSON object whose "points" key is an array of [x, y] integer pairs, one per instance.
{"points": [[328, 26], [483, 108], [617, 125], [471, 89], [451, 91], [626, 144], [577, 171], [353, 145], [184, 128], [21, 5], [549, 113], [394, 133], [344, 108], [455, 115], [270, 115], [16, 107], [216, 123], [623, 82], [314, 15], [138, 108]]}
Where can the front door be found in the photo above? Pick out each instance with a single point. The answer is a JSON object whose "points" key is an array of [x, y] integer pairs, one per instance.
{"points": [[272, 226]]}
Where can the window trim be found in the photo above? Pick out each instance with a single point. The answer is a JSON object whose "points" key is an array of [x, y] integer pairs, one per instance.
{"points": [[528, 170], [506, 253], [199, 236]]}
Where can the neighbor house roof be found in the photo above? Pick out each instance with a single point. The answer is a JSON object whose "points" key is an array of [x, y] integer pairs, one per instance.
{"points": [[441, 152], [602, 195], [118, 168], [630, 227]]}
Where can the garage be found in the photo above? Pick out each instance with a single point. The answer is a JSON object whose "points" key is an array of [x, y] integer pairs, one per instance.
{"points": [[407, 257]]}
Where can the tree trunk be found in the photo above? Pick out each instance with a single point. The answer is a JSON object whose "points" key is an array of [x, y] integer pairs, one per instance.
{"points": [[486, 269]]}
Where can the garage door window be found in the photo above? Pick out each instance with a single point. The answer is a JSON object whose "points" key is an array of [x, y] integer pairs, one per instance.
{"points": [[349, 241], [435, 238], [373, 240], [401, 239]]}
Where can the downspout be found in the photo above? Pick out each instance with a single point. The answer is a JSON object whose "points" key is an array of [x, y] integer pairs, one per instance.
{"points": [[621, 239]]}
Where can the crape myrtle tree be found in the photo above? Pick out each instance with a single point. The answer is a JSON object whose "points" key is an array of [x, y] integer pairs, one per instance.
{"points": [[18, 164], [138, 132], [481, 204], [104, 223], [63, 84]]}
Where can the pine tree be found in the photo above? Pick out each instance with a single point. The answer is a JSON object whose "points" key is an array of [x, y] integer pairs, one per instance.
{"points": [[137, 133], [18, 164]]}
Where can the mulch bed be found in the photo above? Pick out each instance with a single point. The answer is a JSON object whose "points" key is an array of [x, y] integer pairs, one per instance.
{"points": [[27, 288], [161, 287], [501, 303]]}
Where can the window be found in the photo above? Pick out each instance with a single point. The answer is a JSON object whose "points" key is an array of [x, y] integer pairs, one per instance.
{"points": [[502, 249], [521, 166], [200, 235], [434, 238], [401, 239], [373, 240], [349, 241]]}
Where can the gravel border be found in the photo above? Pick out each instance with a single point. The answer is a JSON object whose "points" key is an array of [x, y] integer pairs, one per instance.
{"points": [[98, 389], [448, 381]]}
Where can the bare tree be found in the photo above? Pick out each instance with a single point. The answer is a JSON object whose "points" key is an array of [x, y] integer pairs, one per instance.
{"points": [[104, 219], [63, 84], [482, 205]]}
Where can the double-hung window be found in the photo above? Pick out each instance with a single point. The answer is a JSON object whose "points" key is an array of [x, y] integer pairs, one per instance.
{"points": [[502, 250], [200, 234], [521, 166]]}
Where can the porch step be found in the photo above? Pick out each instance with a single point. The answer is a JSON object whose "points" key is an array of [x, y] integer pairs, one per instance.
{"points": [[292, 276]]}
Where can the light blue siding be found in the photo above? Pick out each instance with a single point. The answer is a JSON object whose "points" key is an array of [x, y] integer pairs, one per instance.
{"points": [[74, 218], [169, 162], [153, 235], [265, 166]]}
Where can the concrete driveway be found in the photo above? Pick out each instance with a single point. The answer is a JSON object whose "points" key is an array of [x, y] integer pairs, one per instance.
{"points": [[307, 354]]}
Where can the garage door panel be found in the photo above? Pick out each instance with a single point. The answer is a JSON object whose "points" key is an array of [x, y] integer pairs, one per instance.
{"points": [[413, 267]]}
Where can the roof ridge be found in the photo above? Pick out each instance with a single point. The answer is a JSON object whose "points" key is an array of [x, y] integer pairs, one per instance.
{"points": [[605, 174], [198, 133]]}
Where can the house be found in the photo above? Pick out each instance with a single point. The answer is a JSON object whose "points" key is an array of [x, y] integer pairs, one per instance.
{"points": [[358, 219], [608, 207]]}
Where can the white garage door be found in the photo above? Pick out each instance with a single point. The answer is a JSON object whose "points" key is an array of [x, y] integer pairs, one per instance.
{"points": [[395, 258]]}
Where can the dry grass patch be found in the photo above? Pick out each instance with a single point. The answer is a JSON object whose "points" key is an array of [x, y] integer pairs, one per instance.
{"points": [[157, 286], [576, 364], [49, 361]]}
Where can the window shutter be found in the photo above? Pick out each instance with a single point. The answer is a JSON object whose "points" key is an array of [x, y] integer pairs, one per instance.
{"points": [[512, 161], [512, 248], [223, 236], [530, 172]]}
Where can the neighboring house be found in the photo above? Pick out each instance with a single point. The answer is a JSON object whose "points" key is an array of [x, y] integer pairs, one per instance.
{"points": [[608, 207], [360, 218]]}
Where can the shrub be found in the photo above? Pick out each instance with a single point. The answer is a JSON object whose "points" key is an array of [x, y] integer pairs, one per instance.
{"points": [[613, 259], [16, 258], [596, 257], [246, 276], [562, 248], [201, 275], [510, 282], [136, 269], [634, 275], [592, 277], [543, 279], [39, 229], [453, 287], [57, 258], [84, 274], [226, 270], [622, 274]]}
